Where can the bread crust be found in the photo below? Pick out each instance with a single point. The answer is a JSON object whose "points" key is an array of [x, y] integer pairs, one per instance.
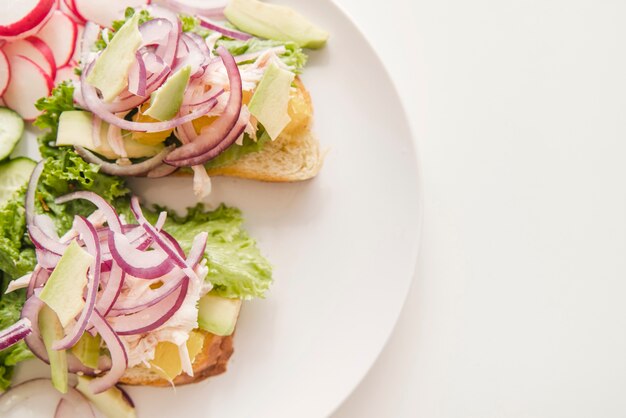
{"points": [[211, 361]]}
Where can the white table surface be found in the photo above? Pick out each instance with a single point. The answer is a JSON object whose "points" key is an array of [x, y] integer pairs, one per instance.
{"points": [[518, 308]]}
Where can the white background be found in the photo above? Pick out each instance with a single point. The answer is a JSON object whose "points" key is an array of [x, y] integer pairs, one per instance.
{"points": [[518, 308]]}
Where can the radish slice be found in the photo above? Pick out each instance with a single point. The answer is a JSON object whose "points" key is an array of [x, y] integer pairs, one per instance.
{"points": [[19, 17], [60, 34], [105, 12], [35, 50], [64, 74], [69, 8], [23, 91], [5, 72]]}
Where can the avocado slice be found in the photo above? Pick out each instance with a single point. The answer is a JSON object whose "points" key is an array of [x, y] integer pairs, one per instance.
{"points": [[51, 331], [167, 357], [63, 291], [270, 102], [276, 22], [75, 128], [110, 72], [166, 101], [218, 315], [87, 350], [112, 402]]}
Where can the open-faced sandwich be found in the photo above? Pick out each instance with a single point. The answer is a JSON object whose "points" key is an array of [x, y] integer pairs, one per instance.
{"points": [[160, 93]]}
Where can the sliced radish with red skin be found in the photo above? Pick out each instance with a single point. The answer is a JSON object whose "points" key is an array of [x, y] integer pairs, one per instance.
{"points": [[80, 29], [5, 72], [35, 50], [64, 74], [32, 84], [60, 34], [67, 7], [105, 12], [18, 17]]}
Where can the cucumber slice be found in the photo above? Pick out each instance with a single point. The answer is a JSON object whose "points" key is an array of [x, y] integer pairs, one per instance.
{"points": [[13, 175], [11, 130]]}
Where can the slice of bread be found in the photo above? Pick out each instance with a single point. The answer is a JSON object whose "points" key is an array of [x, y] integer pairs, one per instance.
{"points": [[294, 156], [211, 361]]}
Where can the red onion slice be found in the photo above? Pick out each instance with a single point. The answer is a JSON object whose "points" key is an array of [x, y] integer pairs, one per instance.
{"points": [[113, 220], [140, 264], [92, 243], [138, 169], [35, 344], [111, 292], [155, 32], [37, 279], [46, 259], [30, 192], [43, 241], [170, 282], [119, 358], [230, 139], [215, 12], [167, 51], [73, 404], [137, 76], [235, 34], [15, 333], [152, 317], [46, 224], [199, 40], [218, 130], [161, 171]]}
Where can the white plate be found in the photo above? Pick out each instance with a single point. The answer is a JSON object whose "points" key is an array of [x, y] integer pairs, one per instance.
{"points": [[344, 247]]}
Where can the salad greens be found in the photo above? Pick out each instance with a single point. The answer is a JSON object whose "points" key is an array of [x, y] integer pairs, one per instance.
{"points": [[236, 266]]}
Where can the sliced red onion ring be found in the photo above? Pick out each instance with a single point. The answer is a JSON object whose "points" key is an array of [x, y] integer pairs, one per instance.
{"points": [[92, 243], [15, 333], [137, 77], [167, 51], [43, 241], [30, 192], [46, 224], [230, 139], [140, 264], [235, 34], [155, 31], [116, 141], [96, 125], [218, 130], [90, 36], [46, 259], [161, 171], [30, 310], [73, 404], [37, 279], [111, 216], [170, 282], [199, 40], [112, 290], [215, 12], [126, 396], [152, 317], [95, 105], [119, 358], [137, 169]]}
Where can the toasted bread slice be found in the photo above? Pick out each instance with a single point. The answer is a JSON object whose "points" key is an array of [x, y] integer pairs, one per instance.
{"points": [[211, 361], [294, 156]]}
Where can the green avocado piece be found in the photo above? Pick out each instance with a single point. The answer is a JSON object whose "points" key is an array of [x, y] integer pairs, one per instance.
{"points": [[63, 291], [270, 101], [165, 102], [87, 350], [75, 128], [218, 315], [111, 402], [276, 22], [110, 72], [51, 331]]}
